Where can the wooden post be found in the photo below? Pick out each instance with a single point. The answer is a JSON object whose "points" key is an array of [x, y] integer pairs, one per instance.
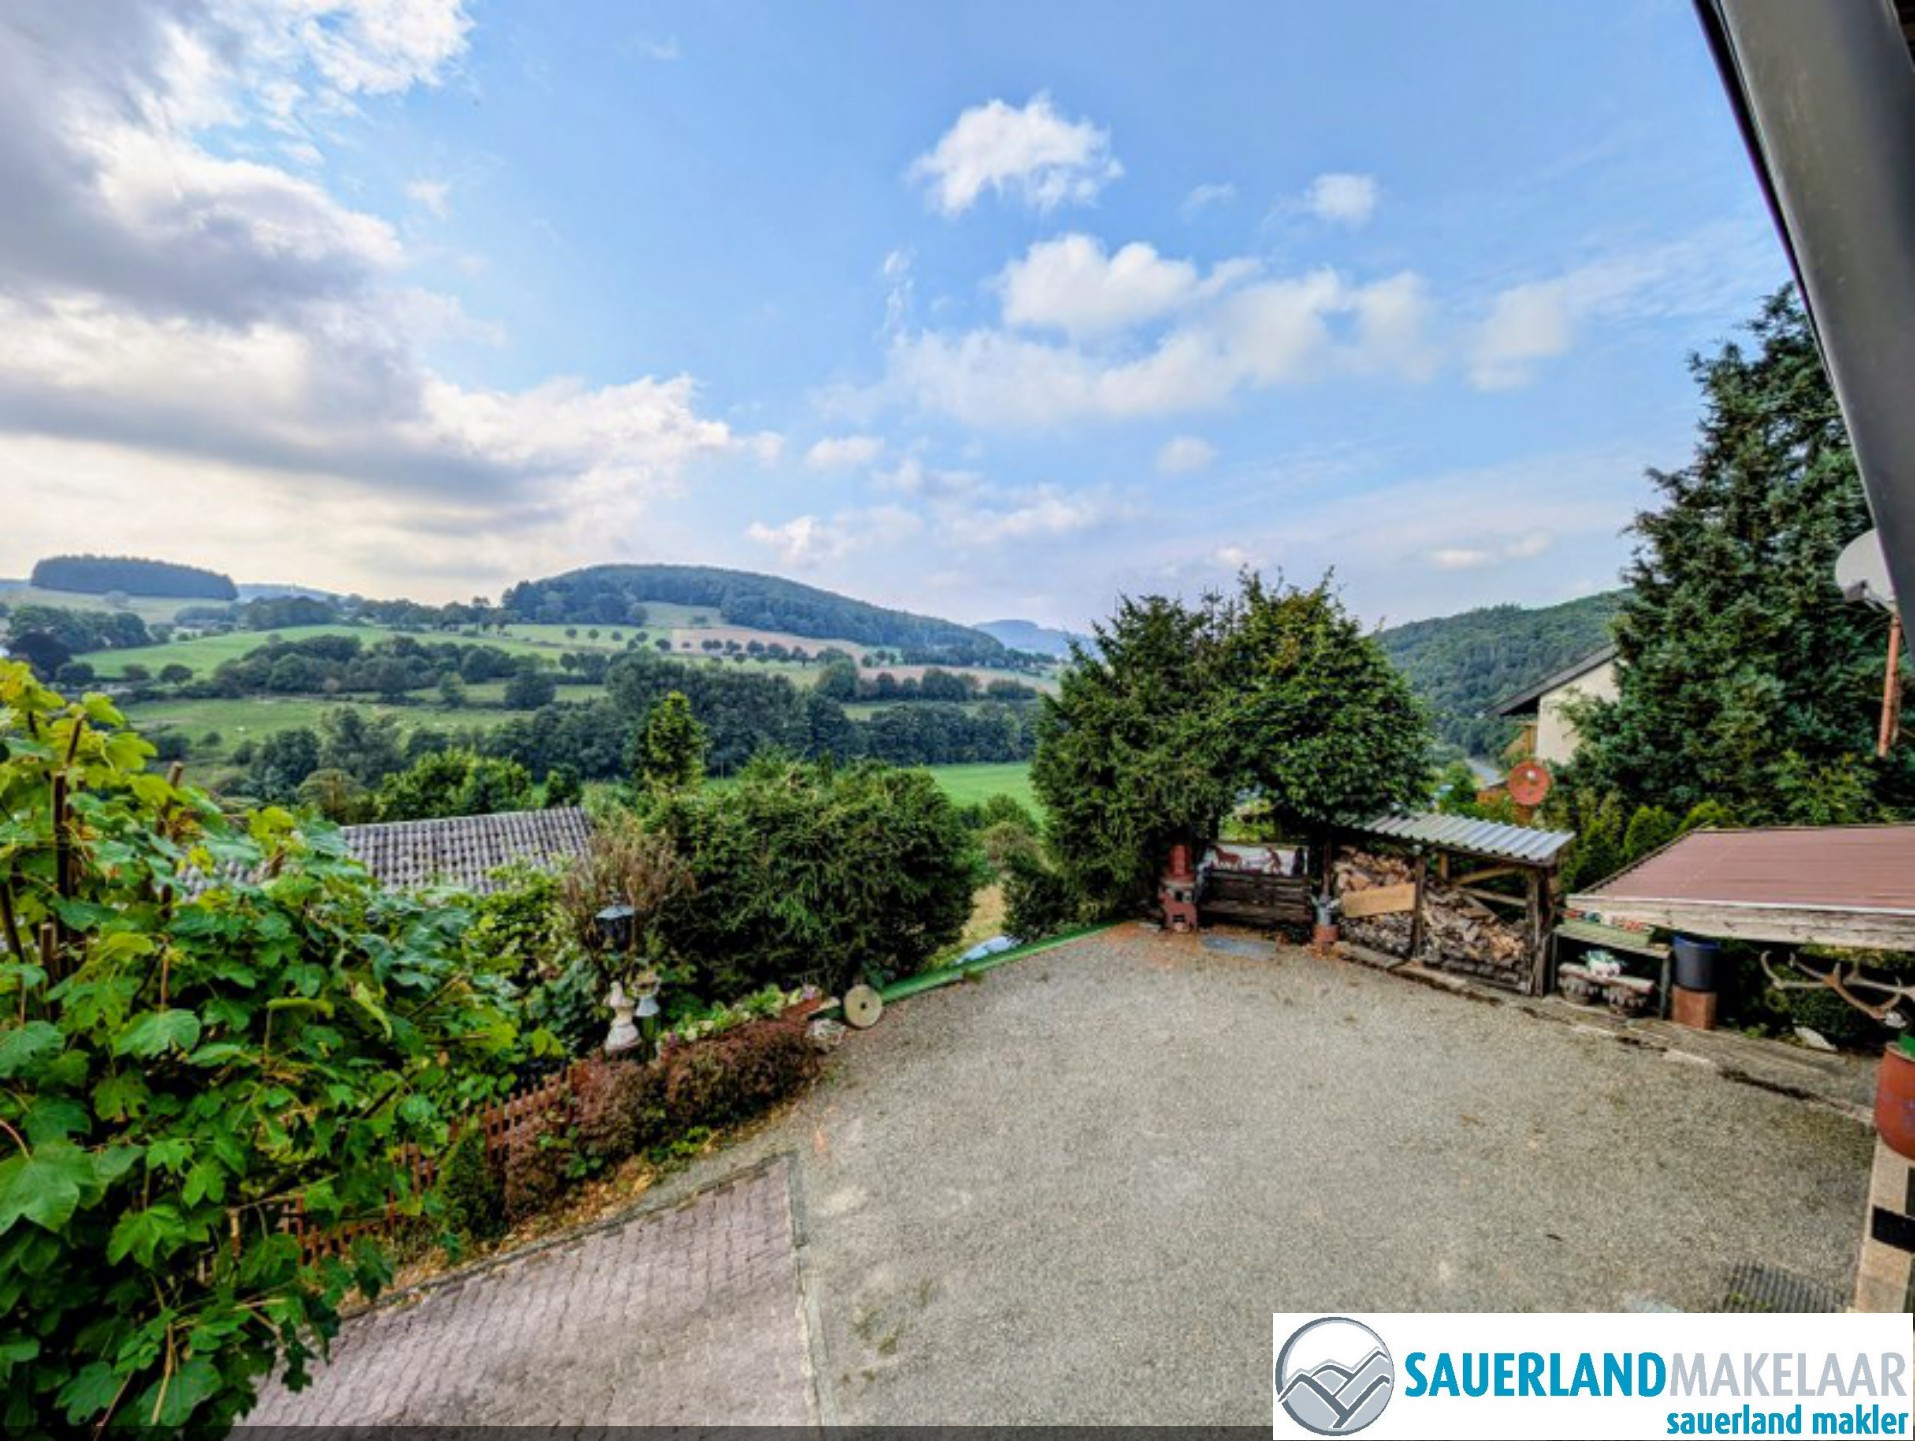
{"points": [[1538, 952], [1416, 905]]}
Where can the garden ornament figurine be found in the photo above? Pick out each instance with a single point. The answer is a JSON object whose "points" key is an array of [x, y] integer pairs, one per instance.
{"points": [[624, 1034]]}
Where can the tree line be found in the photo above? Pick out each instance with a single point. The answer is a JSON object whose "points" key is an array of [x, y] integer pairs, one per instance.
{"points": [[130, 575]]}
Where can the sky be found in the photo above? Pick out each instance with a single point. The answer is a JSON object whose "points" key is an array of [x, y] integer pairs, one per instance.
{"points": [[991, 310]]}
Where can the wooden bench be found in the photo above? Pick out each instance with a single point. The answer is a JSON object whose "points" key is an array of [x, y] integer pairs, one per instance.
{"points": [[1256, 898]]}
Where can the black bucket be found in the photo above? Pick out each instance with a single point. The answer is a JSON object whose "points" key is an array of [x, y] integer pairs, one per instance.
{"points": [[1696, 963]]}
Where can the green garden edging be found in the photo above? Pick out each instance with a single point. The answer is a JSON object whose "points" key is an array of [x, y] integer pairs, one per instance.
{"points": [[950, 975]]}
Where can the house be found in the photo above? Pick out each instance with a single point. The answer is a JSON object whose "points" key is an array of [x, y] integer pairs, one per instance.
{"points": [[1551, 737]]}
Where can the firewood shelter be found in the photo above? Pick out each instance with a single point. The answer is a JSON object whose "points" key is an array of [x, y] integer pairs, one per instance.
{"points": [[1438, 908]]}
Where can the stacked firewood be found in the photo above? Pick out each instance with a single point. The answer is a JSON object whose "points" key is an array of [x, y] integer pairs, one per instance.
{"points": [[1460, 933]]}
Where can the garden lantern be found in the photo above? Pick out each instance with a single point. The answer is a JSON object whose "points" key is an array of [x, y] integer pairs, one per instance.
{"points": [[614, 926]]}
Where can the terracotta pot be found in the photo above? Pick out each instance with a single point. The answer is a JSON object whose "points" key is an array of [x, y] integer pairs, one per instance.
{"points": [[1323, 937], [1180, 862], [1895, 1101]]}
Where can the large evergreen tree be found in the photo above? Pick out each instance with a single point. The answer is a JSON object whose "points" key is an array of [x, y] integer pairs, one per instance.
{"points": [[1178, 713], [1746, 678], [1329, 731], [1134, 754]]}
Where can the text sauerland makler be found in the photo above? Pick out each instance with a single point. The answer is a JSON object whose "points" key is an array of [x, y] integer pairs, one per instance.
{"points": [[1848, 1379]]}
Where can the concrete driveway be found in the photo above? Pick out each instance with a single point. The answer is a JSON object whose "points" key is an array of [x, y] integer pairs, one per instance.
{"points": [[1074, 1191]]}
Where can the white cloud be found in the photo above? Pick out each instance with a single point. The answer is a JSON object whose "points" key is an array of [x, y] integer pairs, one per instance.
{"points": [[431, 196], [1041, 513], [176, 308], [911, 476], [1272, 332], [1710, 272], [1072, 284], [806, 542], [1394, 318], [1032, 154], [1342, 198], [1526, 323], [1206, 197], [1184, 454], [1526, 546], [838, 452]]}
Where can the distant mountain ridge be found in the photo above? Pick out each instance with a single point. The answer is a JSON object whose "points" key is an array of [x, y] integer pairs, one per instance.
{"points": [[1460, 665], [606, 594], [1029, 635]]}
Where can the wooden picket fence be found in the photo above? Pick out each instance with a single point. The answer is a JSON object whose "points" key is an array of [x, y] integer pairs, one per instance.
{"points": [[541, 1107]]}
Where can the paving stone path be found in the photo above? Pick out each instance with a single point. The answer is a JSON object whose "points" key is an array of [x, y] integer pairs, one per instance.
{"points": [[687, 1317]]}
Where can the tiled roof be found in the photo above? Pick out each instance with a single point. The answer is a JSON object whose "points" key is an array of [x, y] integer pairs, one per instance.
{"points": [[464, 851]]}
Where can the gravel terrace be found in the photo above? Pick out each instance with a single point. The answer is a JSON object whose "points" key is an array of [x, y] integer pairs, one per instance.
{"points": [[1074, 1190]]}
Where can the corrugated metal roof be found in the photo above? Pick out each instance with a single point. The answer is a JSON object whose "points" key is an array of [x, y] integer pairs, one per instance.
{"points": [[1492, 840], [1853, 869]]}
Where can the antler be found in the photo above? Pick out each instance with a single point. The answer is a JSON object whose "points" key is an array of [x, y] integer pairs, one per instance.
{"points": [[1844, 980]]}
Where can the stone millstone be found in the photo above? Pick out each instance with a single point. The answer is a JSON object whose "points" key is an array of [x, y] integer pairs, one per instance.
{"points": [[862, 1007]]}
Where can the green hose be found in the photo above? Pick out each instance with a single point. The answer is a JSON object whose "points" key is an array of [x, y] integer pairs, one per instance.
{"points": [[950, 975]]}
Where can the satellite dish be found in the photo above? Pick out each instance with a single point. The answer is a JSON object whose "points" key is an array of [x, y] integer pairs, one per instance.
{"points": [[862, 1007], [1528, 784], [1861, 570]]}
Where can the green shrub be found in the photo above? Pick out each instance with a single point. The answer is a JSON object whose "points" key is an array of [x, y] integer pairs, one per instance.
{"points": [[1708, 815], [1828, 1013], [733, 1077], [570, 1007], [471, 1190], [188, 1068], [1039, 900], [809, 873], [1650, 828]]}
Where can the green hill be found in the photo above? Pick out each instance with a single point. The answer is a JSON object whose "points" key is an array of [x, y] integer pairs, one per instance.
{"points": [[1462, 664], [606, 595]]}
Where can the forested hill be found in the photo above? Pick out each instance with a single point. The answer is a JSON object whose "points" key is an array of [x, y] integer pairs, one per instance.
{"points": [[605, 594], [104, 574], [1461, 664]]}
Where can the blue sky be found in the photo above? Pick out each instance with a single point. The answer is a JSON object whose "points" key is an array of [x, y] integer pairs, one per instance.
{"points": [[986, 310]]}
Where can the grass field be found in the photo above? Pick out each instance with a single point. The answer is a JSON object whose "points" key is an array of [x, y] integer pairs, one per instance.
{"points": [[969, 785], [205, 653], [148, 608]]}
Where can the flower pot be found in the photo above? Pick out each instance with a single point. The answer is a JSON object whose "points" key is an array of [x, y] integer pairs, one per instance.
{"points": [[1895, 1101], [1323, 937], [1695, 963]]}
